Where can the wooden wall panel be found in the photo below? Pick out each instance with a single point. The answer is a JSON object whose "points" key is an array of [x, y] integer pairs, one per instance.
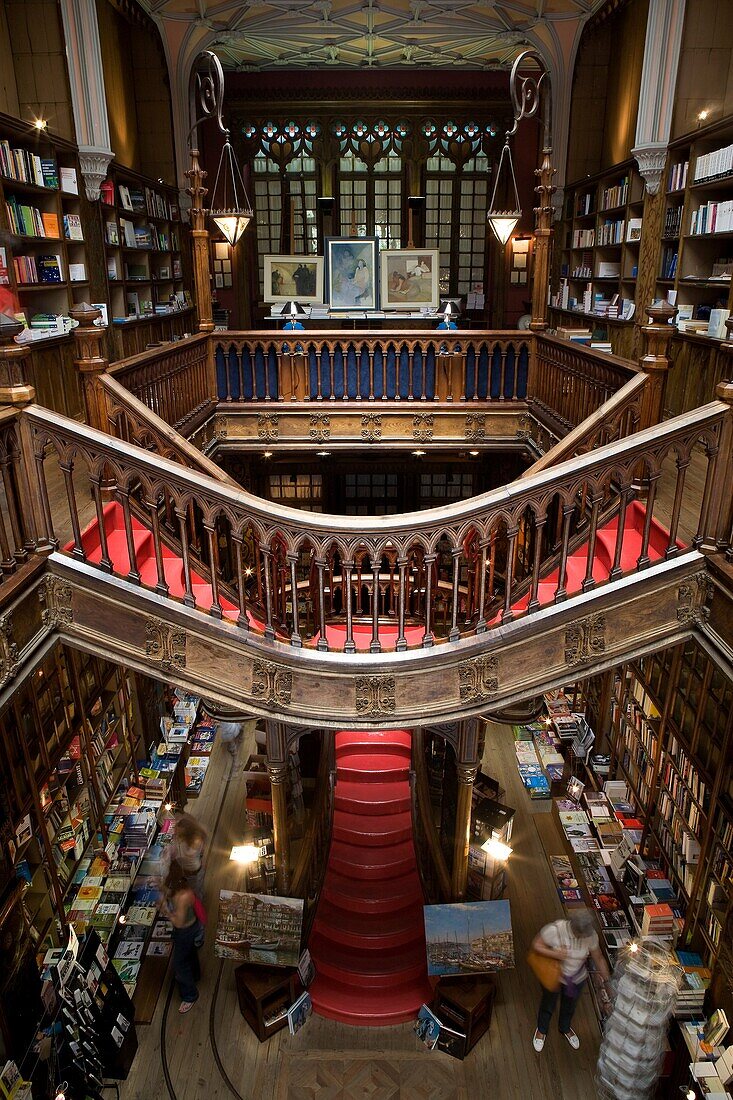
{"points": [[39, 62], [705, 75], [8, 87]]}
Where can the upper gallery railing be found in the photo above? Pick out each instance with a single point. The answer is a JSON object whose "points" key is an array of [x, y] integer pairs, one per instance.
{"points": [[182, 380], [387, 582]]}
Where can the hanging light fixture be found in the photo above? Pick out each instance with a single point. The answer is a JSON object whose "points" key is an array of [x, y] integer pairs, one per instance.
{"points": [[234, 213], [504, 221]]}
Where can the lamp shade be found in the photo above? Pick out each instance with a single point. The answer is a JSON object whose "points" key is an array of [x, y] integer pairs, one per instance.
{"points": [[232, 223], [292, 309], [450, 308], [503, 223]]}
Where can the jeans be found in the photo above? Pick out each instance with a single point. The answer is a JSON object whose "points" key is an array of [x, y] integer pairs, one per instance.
{"points": [[547, 1007], [186, 961]]}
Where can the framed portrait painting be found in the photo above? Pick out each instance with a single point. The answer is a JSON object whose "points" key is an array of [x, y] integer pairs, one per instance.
{"points": [[351, 272], [293, 277], [409, 278]]}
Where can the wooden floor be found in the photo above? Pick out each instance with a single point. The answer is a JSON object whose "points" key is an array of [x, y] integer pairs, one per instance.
{"points": [[212, 1052]]}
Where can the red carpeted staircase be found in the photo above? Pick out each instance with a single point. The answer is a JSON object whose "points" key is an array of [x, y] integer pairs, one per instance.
{"points": [[368, 938]]}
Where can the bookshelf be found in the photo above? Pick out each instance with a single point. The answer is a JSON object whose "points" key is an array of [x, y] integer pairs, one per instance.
{"points": [[600, 239], [142, 235], [697, 234], [672, 731]]}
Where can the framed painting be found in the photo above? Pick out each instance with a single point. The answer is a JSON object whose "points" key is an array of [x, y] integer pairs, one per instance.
{"points": [[409, 278], [351, 272], [293, 277]]}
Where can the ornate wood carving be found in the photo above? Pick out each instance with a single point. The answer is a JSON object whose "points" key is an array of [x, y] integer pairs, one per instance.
{"points": [[56, 598], [320, 427], [478, 679], [585, 640], [165, 645], [692, 598], [8, 650], [423, 427], [268, 427], [375, 696], [475, 427], [271, 683], [220, 427], [371, 427]]}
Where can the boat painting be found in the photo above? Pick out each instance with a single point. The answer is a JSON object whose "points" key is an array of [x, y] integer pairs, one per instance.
{"points": [[259, 928], [472, 937]]}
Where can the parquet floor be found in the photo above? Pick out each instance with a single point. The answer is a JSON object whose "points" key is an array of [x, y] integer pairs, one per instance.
{"points": [[331, 1060]]}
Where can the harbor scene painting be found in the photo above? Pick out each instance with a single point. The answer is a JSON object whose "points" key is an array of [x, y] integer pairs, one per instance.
{"points": [[259, 928], [472, 937]]}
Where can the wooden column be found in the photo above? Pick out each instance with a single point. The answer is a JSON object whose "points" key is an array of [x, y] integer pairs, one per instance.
{"points": [[467, 767], [278, 783], [14, 387], [91, 363], [655, 363], [721, 504], [200, 244], [542, 242]]}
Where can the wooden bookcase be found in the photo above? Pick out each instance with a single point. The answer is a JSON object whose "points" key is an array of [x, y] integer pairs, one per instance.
{"points": [[672, 733], [69, 736], [694, 247], [142, 234], [599, 240]]}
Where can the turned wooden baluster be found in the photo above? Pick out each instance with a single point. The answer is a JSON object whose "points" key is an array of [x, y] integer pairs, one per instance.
{"points": [[454, 631], [644, 558], [481, 621], [39, 452], [8, 468], [346, 573], [295, 638], [588, 581], [507, 614], [384, 375], [502, 374], [370, 356], [161, 587], [105, 562], [266, 553], [539, 530], [561, 592], [188, 596], [679, 491], [401, 639], [616, 570], [322, 639], [67, 468], [375, 645]]}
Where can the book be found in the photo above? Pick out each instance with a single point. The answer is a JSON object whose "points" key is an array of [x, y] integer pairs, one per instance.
{"points": [[299, 1012], [72, 227], [427, 1027], [50, 224], [69, 182]]}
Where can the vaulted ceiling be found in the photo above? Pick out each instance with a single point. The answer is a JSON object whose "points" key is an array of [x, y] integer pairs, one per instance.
{"points": [[270, 34]]}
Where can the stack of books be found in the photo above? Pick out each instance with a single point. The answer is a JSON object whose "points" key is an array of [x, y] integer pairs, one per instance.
{"points": [[658, 920], [695, 981]]}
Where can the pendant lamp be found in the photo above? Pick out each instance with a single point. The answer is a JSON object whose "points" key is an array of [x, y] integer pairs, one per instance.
{"points": [[231, 213], [503, 221]]}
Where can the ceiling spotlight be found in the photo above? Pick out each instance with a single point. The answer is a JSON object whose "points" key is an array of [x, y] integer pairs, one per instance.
{"points": [[474, 454], [323, 454], [40, 123], [701, 118], [418, 454], [267, 454]]}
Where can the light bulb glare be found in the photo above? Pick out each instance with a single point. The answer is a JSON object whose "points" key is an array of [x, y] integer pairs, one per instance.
{"points": [[497, 849], [244, 853]]}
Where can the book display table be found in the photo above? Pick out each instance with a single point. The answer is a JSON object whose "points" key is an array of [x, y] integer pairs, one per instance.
{"points": [[265, 994], [466, 1004]]}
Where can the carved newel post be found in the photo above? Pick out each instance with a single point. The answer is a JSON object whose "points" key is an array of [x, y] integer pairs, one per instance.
{"points": [[656, 363], [278, 774], [542, 242], [14, 388], [90, 361], [200, 242]]}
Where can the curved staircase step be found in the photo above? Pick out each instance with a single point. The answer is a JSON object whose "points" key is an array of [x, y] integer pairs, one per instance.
{"points": [[383, 767], [370, 1007], [361, 931], [371, 861], [372, 895], [384, 967], [368, 829], [376, 741], [375, 799]]}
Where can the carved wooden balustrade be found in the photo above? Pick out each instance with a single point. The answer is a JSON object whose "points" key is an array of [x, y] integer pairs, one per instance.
{"points": [[17, 528], [372, 366], [571, 382], [429, 577], [174, 380]]}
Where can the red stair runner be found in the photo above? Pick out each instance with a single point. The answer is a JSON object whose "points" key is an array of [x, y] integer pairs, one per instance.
{"points": [[368, 939]]}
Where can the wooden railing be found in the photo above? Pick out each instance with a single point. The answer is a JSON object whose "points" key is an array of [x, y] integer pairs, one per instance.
{"points": [[175, 380], [434, 874], [615, 419], [17, 527], [372, 366], [461, 569], [571, 382]]}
